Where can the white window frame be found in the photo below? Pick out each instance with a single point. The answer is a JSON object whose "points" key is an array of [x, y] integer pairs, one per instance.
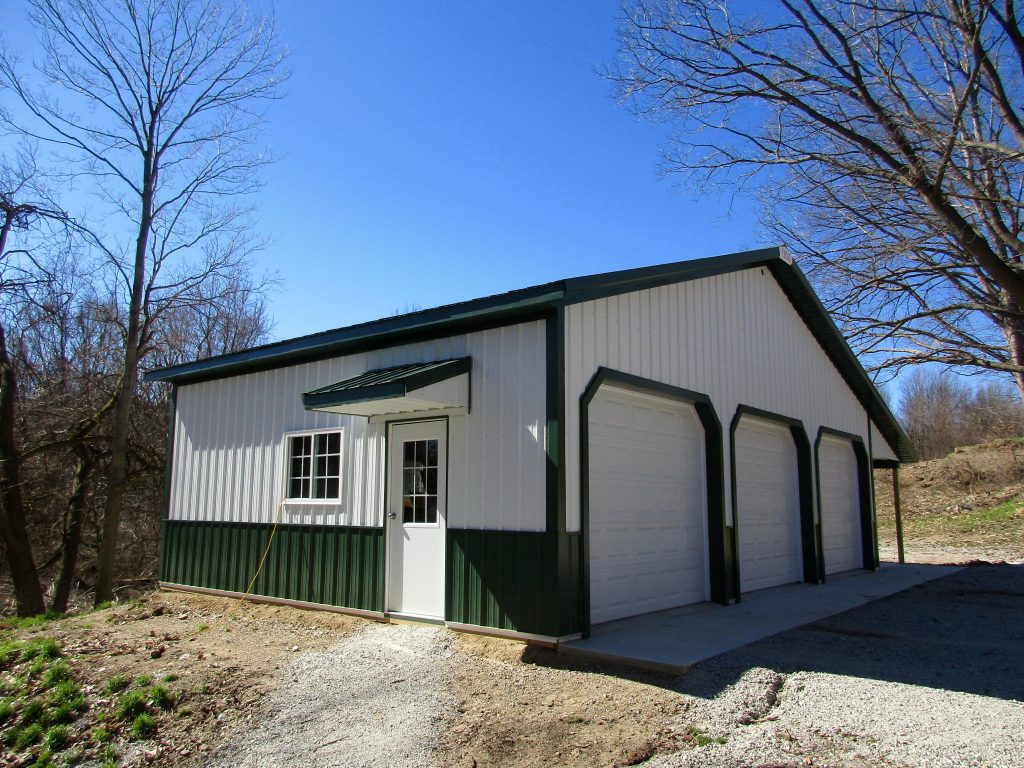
{"points": [[286, 450]]}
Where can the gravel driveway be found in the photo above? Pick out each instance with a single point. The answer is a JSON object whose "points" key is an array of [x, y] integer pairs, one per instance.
{"points": [[933, 676], [378, 698]]}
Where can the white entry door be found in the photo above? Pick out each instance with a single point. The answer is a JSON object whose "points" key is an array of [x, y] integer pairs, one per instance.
{"points": [[840, 505], [767, 505], [417, 473], [647, 505]]}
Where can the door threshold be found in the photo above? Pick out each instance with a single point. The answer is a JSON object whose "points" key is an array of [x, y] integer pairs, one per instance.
{"points": [[398, 617]]}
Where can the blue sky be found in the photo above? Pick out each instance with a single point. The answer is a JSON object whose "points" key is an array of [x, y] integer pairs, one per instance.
{"points": [[436, 152]]}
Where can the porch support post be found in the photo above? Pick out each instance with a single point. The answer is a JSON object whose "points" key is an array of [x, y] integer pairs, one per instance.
{"points": [[899, 514]]}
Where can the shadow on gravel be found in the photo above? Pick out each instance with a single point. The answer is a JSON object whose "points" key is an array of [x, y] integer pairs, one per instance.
{"points": [[963, 632]]}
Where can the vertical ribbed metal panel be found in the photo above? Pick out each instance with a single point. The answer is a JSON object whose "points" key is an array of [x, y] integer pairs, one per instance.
{"points": [[515, 580], [879, 447], [229, 448], [733, 337], [331, 565]]}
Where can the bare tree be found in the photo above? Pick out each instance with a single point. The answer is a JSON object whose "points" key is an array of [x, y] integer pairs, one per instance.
{"points": [[158, 105], [23, 206], [886, 139], [942, 411]]}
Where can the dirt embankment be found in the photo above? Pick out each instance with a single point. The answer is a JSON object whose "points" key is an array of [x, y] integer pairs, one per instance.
{"points": [[967, 505], [215, 657]]}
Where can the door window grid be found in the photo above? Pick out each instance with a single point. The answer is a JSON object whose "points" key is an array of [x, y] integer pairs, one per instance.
{"points": [[419, 481], [315, 466]]}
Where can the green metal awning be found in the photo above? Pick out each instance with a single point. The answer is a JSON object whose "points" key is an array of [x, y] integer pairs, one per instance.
{"points": [[438, 385]]}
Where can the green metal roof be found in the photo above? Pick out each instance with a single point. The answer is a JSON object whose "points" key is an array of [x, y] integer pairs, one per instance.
{"points": [[541, 300], [385, 383]]}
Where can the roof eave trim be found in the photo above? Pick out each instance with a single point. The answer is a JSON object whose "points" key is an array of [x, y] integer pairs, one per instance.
{"points": [[386, 331]]}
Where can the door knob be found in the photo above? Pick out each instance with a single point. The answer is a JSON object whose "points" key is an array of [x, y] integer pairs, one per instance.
{"points": [[392, 515]]}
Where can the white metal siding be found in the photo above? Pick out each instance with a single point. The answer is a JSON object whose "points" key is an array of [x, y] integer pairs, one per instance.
{"points": [[229, 438], [840, 505], [648, 508], [734, 337], [880, 449], [767, 505]]}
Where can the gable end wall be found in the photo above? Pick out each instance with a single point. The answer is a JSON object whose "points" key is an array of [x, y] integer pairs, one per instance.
{"points": [[734, 337]]}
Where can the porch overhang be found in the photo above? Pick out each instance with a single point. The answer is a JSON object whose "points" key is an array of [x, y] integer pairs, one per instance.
{"points": [[437, 386]]}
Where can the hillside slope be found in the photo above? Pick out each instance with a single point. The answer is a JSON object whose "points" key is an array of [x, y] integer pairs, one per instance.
{"points": [[968, 505]]}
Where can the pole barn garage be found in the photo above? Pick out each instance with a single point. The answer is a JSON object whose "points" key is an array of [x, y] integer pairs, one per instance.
{"points": [[537, 462]]}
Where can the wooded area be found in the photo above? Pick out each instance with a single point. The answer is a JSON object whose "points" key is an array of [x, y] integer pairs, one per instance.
{"points": [[126, 244]]}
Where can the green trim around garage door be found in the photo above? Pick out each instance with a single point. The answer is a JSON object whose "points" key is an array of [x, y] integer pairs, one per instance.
{"points": [[810, 532], [330, 565], [868, 527], [720, 547], [523, 581]]}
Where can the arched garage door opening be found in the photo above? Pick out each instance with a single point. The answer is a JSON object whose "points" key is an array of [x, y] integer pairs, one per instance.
{"points": [[771, 501], [843, 501], [647, 517]]}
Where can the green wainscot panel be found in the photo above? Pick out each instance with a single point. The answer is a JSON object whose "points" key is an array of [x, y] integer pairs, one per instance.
{"points": [[523, 581], [331, 565]]}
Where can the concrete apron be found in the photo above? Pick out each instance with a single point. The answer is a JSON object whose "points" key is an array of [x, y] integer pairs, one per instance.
{"points": [[674, 640]]}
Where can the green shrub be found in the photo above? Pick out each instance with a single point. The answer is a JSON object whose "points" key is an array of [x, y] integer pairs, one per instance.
{"points": [[143, 725], [41, 648], [130, 704], [56, 738], [28, 735], [169, 678], [59, 672], [10, 652], [32, 711], [45, 760], [37, 667], [143, 680], [7, 710], [100, 735], [160, 696], [109, 756], [63, 692], [116, 684]]}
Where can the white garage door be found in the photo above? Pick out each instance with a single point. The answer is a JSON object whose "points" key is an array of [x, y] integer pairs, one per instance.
{"points": [[647, 505], [767, 505], [840, 505]]}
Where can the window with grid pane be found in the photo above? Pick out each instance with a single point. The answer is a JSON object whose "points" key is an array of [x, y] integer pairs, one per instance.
{"points": [[419, 481], [314, 466]]}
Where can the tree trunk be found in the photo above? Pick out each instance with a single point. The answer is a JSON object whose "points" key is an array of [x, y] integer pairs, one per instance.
{"points": [[72, 538], [27, 590], [1013, 330], [117, 479]]}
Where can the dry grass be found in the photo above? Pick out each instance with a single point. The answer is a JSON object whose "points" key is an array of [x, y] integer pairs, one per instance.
{"points": [[969, 503]]}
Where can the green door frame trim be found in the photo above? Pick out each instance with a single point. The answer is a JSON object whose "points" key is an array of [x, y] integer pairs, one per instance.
{"points": [[554, 396], [810, 535], [719, 551], [868, 531]]}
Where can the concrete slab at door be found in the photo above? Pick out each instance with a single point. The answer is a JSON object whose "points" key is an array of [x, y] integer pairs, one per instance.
{"points": [[840, 505], [767, 504], [416, 518], [647, 505]]}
